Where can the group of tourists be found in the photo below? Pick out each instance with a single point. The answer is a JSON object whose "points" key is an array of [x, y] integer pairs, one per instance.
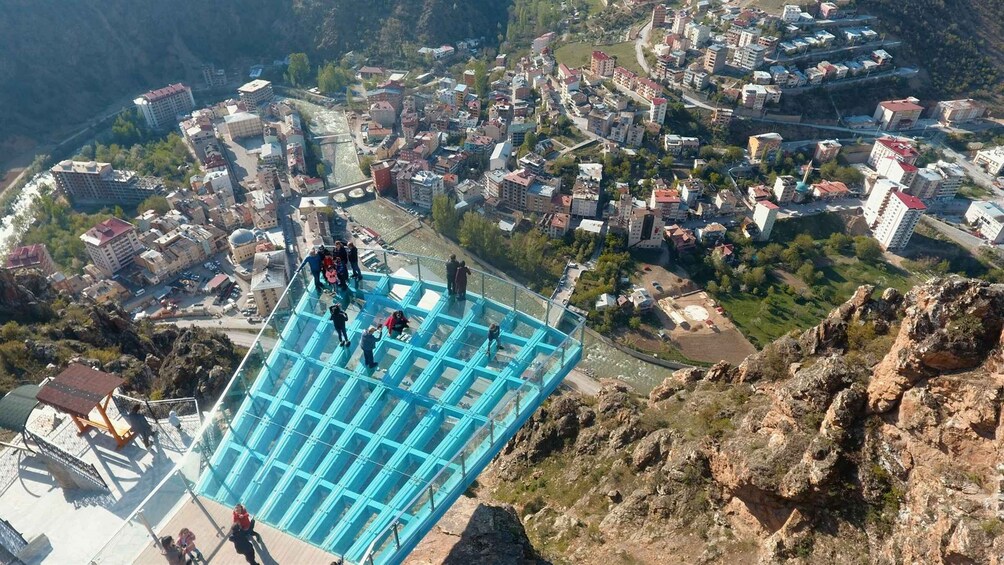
{"points": [[456, 278], [333, 265], [182, 551]]}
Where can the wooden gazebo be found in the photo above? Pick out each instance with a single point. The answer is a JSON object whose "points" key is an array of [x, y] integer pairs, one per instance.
{"points": [[84, 394]]}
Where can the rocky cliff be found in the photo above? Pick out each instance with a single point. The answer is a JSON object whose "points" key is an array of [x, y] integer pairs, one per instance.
{"points": [[42, 332], [871, 438]]}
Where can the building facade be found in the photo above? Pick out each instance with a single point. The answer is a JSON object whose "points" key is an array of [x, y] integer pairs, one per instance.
{"points": [[112, 245], [161, 108], [91, 183], [256, 93]]}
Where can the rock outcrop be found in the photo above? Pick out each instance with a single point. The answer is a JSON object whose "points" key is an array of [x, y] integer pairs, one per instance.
{"points": [[872, 437]]}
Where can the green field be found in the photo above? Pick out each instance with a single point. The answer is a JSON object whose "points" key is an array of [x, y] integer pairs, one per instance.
{"points": [[764, 320], [791, 305], [578, 54]]}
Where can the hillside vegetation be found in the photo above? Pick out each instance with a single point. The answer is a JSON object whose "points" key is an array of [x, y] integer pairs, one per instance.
{"points": [[957, 41], [62, 62]]}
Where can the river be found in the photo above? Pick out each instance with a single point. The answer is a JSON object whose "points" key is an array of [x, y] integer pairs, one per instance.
{"points": [[13, 226]]}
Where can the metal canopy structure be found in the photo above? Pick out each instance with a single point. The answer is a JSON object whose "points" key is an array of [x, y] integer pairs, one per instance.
{"points": [[16, 407], [363, 462], [80, 391]]}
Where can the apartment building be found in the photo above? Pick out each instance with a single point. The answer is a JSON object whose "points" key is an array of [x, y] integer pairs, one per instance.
{"points": [[668, 204], [899, 148], [750, 57], [764, 147], [784, 188], [894, 115], [263, 209], [91, 183], [715, 58], [242, 125], [514, 188], [425, 185], [991, 159], [269, 277], [954, 112], [988, 218], [697, 34], [896, 224], [826, 150], [678, 145], [162, 107], [601, 64], [585, 199], [645, 229], [256, 93], [112, 245], [657, 111], [29, 257], [764, 215]]}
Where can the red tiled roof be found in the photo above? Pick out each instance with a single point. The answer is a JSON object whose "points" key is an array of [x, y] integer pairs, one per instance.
{"points": [[911, 201], [108, 230], [901, 148], [900, 105], [600, 56], [26, 256], [665, 196], [768, 204], [161, 93]]}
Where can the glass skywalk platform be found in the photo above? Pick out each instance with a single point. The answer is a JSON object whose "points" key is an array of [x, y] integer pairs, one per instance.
{"points": [[363, 462]]}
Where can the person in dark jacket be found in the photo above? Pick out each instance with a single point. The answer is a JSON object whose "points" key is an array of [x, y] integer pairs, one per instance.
{"points": [[353, 253], [340, 252], [339, 319], [451, 275], [343, 273], [368, 343], [173, 553], [494, 334], [396, 323], [141, 426], [242, 544], [313, 261], [461, 280]]}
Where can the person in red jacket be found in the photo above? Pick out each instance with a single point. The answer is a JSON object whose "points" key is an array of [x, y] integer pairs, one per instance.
{"points": [[245, 521], [396, 323]]}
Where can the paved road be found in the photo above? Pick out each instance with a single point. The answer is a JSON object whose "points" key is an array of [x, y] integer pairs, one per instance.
{"points": [[639, 46], [965, 239], [227, 323]]}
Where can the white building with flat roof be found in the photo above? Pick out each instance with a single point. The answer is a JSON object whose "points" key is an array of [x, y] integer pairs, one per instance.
{"points": [[112, 245], [256, 93], [988, 218], [991, 159]]}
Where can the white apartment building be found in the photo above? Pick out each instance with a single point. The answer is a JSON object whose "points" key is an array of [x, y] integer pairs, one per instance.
{"points": [[897, 222], [784, 188], [657, 112], [991, 159], [952, 112], [112, 245], [220, 184], [889, 146], [952, 177], [256, 93], [162, 107], [878, 198], [764, 215], [263, 209], [645, 229], [750, 57], [988, 218], [425, 185], [242, 124], [697, 34]]}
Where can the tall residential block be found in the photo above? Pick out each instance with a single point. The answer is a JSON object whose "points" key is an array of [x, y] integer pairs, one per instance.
{"points": [[764, 215], [112, 245], [87, 183], [256, 93], [161, 108]]}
